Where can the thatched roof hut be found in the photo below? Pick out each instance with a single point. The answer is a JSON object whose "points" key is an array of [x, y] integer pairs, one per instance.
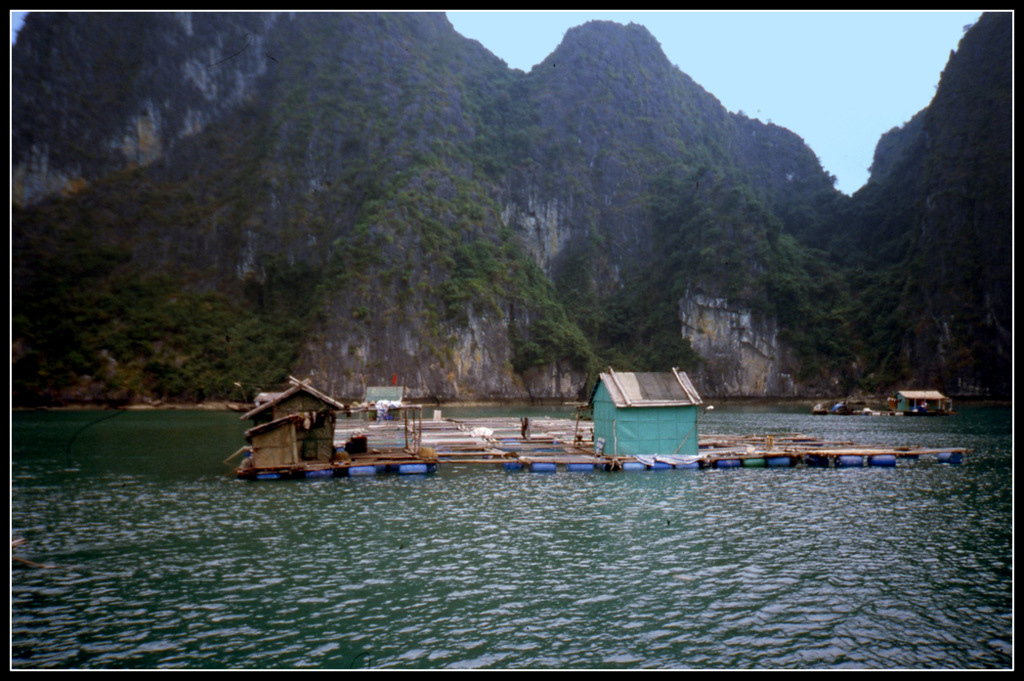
{"points": [[293, 428]]}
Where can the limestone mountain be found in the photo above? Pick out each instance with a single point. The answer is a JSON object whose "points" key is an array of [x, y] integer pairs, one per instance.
{"points": [[932, 230], [209, 200]]}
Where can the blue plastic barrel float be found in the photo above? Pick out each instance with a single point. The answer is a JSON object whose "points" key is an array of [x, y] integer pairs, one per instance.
{"points": [[320, 473], [412, 469], [728, 463], [268, 476], [588, 467], [512, 465], [779, 461], [882, 460], [850, 460], [359, 471], [633, 466], [950, 457], [543, 467]]}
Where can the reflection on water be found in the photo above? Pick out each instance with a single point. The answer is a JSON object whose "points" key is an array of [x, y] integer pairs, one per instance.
{"points": [[163, 561]]}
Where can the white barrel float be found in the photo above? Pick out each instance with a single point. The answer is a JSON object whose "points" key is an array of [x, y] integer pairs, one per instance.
{"points": [[543, 467], [412, 469], [356, 471], [882, 460], [950, 457], [779, 461], [850, 460]]}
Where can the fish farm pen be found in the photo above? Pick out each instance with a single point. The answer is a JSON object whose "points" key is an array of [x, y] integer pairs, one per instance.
{"points": [[303, 433], [554, 444], [408, 444]]}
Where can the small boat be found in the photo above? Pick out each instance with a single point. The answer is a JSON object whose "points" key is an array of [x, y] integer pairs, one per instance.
{"points": [[842, 408], [837, 408]]}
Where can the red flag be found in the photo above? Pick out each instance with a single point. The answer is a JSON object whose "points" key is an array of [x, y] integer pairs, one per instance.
{"points": [[394, 379]]}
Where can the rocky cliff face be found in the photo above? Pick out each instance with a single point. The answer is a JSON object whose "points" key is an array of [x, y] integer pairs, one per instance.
{"points": [[742, 353], [369, 197], [939, 202], [95, 94]]}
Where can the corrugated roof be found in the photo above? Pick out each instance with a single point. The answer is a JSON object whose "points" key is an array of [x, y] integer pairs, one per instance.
{"points": [[649, 389], [923, 395]]}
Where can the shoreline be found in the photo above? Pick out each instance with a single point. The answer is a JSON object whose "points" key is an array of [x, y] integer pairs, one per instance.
{"points": [[240, 407]]}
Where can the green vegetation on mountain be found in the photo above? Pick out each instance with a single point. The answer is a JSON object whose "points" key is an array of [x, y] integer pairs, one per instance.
{"points": [[358, 196]]}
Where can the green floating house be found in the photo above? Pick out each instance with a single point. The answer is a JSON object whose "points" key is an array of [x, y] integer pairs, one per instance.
{"points": [[922, 402], [645, 414]]}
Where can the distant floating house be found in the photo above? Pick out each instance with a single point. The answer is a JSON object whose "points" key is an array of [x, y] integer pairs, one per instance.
{"points": [[384, 398], [922, 402], [385, 393], [294, 428], [645, 414]]}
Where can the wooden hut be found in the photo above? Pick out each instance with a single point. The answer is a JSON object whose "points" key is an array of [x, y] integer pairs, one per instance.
{"points": [[645, 414], [922, 403], [294, 428]]}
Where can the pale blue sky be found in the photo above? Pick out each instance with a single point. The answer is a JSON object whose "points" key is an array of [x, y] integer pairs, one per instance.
{"points": [[839, 80], [17, 18]]}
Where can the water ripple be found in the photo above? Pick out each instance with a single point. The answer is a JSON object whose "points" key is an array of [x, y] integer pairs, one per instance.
{"points": [[479, 568]]}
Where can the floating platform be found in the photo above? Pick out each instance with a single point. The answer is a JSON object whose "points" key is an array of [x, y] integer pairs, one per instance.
{"points": [[347, 470], [548, 445]]}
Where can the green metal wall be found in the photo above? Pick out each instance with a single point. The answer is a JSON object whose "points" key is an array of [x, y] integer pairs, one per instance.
{"points": [[644, 430]]}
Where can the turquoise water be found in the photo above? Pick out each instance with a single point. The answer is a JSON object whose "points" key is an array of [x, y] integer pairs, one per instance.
{"points": [[162, 560]]}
